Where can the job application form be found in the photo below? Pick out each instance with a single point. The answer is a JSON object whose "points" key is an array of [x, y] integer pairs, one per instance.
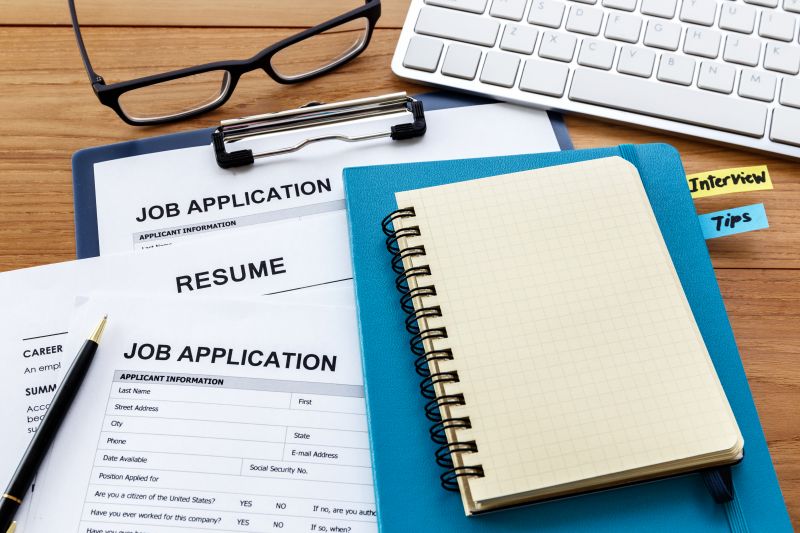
{"points": [[207, 416], [158, 199]]}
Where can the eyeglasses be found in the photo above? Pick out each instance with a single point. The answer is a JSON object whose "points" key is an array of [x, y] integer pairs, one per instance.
{"points": [[188, 92]]}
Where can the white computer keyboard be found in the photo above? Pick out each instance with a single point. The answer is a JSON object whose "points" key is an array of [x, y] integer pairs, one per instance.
{"points": [[725, 70]]}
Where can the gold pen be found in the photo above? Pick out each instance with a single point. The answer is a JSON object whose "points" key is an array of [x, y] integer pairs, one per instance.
{"points": [[46, 432]]}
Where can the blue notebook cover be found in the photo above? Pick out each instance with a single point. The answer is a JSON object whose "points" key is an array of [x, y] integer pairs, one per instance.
{"points": [[83, 161], [407, 487]]}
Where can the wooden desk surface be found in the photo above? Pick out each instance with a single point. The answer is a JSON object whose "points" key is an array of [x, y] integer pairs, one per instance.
{"points": [[48, 111]]}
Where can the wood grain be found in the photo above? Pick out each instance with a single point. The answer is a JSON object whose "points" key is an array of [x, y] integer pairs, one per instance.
{"points": [[48, 111], [205, 13], [764, 309]]}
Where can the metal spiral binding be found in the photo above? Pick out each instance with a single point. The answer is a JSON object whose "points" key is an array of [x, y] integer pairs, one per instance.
{"points": [[419, 337], [407, 299], [418, 340], [437, 430], [421, 363], [412, 319], [432, 408], [444, 455], [450, 477], [426, 386], [397, 259]]}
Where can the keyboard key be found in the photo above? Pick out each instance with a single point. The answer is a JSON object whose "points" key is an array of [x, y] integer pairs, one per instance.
{"points": [[586, 20], [457, 26], [670, 102], [473, 6], [792, 5], [676, 69], [742, 50], [663, 34], [636, 61], [622, 27], [764, 3], [790, 92], [776, 25], [558, 46], [700, 42], [757, 85], [737, 17], [625, 5], [782, 58], [784, 126], [596, 53], [546, 13], [544, 77], [508, 9], [423, 54], [586, 1], [518, 38], [500, 69], [659, 8], [699, 11], [716, 77], [461, 61]]}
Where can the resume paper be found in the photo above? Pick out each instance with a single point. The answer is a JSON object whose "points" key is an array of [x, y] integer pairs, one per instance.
{"points": [[304, 260]]}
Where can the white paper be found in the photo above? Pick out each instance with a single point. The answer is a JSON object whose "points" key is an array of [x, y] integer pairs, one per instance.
{"points": [[308, 231], [213, 416], [190, 196], [304, 260]]}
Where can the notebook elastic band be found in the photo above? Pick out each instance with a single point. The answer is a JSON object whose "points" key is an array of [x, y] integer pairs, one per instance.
{"points": [[719, 482]]}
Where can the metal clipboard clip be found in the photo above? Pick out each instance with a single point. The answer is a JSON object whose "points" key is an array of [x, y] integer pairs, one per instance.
{"points": [[316, 114]]}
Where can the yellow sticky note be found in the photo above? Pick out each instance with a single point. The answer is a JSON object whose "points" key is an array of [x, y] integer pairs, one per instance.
{"points": [[728, 180]]}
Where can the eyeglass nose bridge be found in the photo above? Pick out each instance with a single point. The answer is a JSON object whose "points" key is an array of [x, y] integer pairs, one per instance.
{"points": [[266, 65], [260, 66]]}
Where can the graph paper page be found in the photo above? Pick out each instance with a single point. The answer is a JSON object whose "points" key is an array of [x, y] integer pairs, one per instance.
{"points": [[576, 349]]}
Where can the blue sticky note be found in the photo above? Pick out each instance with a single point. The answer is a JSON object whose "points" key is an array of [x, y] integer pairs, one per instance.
{"points": [[733, 221]]}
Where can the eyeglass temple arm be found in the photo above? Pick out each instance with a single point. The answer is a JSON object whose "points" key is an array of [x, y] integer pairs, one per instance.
{"points": [[94, 77]]}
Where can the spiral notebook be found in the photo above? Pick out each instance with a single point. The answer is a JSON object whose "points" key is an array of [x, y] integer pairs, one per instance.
{"points": [[558, 351]]}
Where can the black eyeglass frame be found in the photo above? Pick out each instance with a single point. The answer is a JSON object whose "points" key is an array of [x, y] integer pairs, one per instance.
{"points": [[109, 94]]}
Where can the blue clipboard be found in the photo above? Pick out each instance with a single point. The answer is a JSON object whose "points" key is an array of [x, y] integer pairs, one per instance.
{"points": [[83, 161]]}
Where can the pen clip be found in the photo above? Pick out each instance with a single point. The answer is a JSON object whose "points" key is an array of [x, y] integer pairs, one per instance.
{"points": [[316, 114]]}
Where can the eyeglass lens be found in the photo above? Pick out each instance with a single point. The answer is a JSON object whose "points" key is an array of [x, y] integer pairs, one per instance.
{"points": [[175, 97], [322, 50]]}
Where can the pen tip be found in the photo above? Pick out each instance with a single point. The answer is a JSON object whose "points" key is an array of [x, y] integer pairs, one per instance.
{"points": [[98, 331], [12, 528]]}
